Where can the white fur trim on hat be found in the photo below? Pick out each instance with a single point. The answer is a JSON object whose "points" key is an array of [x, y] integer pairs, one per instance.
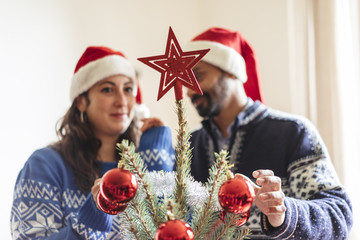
{"points": [[99, 69], [224, 57]]}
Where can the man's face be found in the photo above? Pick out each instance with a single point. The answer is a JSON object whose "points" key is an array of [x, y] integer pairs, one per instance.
{"points": [[214, 85]]}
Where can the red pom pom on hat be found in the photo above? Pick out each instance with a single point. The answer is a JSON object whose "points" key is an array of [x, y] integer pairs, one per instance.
{"points": [[97, 63], [230, 51]]}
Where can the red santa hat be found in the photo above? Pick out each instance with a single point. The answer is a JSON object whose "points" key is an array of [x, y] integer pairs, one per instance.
{"points": [[97, 63], [233, 54]]}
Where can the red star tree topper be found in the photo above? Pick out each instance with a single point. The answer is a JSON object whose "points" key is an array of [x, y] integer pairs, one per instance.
{"points": [[175, 67]]}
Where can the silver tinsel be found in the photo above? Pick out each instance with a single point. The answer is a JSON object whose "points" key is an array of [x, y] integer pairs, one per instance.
{"points": [[164, 183]]}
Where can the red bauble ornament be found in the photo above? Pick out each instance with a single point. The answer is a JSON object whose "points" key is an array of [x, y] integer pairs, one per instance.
{"points": [[174, 230], [243, 220], [236, 195], [118, 185], [108, 207]]}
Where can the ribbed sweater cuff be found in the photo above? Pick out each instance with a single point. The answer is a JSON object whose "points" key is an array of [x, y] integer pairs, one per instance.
{"points": [[92, 217], [287, 229]]}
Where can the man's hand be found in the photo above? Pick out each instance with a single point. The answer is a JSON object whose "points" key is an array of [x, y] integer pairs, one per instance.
{"points": [[269, 197]]}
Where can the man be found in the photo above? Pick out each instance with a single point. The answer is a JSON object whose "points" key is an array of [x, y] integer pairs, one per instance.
{"points": [[298, 194]]}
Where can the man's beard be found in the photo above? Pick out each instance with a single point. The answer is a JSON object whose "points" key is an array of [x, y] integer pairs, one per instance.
{"points": [[207, 108], [212, 106]]}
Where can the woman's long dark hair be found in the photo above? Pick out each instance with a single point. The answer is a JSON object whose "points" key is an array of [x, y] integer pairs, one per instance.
{"points": [[79, 146]]}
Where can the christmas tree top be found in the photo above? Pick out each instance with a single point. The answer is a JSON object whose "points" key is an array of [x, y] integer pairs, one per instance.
{"points": [[181, 208]]}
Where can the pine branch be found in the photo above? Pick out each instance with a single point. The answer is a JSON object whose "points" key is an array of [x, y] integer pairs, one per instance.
{"points": [[142, 220], [229, 222], [140, 217], [243, 233], [229, 228], [208, 223], [132, 228], [183, 162], [135, 164], [217, 175]]}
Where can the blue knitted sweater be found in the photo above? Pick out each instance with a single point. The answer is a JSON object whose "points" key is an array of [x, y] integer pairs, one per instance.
{"points": [[261, 138], [48, 205]]}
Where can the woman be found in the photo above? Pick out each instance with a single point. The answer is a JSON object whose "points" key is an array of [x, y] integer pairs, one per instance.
{"points": [[52, 197]]}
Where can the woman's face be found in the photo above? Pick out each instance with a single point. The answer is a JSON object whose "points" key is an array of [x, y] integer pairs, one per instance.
{"points": [[110, 108]]}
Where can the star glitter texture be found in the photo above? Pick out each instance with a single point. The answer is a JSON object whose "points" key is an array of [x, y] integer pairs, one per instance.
{"points": [[175, 67]]}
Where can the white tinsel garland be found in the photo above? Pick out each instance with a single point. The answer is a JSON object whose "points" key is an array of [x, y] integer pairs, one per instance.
{"points": [[163, 184]]}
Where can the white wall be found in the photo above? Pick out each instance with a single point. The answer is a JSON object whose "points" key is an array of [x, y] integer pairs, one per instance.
{"points": [[42, 40]]}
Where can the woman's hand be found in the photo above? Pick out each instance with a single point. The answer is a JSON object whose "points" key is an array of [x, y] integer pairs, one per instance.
{"points": [[269, 197], [95, 190], [150, 123]]}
